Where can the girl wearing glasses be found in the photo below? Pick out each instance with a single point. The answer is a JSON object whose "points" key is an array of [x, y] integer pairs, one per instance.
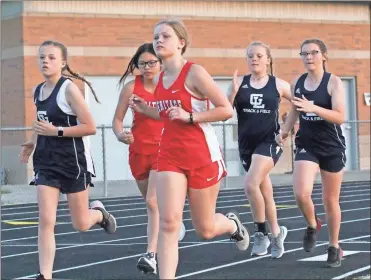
{"points": [[319, 103], [144, 142]]}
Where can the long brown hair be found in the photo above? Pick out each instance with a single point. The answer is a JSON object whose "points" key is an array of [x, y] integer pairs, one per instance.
{"points": [[71, 74]]}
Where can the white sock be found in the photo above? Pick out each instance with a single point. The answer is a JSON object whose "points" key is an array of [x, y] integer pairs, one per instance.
{"points": [[235, 228]]}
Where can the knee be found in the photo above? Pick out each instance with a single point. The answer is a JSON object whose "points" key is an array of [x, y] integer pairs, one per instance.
{"points": [[302, 197], [152, 204], [170, 222], [251, 188], [80, 225], [205, 232], [330, 203], [47, 221]]}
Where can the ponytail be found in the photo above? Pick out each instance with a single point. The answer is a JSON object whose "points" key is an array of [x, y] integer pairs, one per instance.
{"points": [[271, 66], [129, 70], [79, 77]]}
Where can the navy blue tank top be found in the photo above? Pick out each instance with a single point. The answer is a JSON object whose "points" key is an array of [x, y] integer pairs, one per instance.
{"points": [[257, 113], [68, 156], [316, 134]]}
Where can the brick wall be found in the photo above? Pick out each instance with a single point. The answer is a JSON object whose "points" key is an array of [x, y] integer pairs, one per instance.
{"points": [[91, 31], [86, 31]]}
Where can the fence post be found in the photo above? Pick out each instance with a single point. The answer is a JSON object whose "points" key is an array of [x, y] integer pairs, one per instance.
{"points": [[225, 155], [104, 161], [355, 131]]}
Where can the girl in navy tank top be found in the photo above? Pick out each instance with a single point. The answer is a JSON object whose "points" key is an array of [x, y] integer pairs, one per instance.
{"points": [[319, 104], [62, 161], [256, 98]]}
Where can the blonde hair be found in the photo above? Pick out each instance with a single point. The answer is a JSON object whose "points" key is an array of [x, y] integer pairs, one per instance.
{"points": [[267, 50], [179, 29]]}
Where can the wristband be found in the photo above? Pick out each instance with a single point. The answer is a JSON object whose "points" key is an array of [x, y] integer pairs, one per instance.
{"points": [[190, 117], [60, 131]]}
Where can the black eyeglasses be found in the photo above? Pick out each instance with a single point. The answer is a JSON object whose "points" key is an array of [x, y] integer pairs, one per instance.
{"points": [[305, 54], [151, 63]]}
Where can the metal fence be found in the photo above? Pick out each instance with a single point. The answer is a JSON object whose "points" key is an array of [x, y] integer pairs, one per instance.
{"points": [[111, 157]]}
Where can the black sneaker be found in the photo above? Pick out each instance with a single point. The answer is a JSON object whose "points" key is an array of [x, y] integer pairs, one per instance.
{"points": [[40, 277], [147, 263], [109, 221], [310, 236], [334, 256], [241, 236]]}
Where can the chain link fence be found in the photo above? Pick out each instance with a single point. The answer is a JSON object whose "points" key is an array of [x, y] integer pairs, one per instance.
{"points": [[111, 157]]}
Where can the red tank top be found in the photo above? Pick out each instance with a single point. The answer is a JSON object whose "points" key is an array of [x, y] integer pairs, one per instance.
{"points": [[185, 145], [146, 131]]}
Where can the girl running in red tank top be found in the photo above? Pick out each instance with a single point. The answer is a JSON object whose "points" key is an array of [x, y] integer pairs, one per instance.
{"points": [[144, 142], [189, 160]]}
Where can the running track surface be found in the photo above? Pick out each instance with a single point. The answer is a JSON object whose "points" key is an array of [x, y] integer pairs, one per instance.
{"points": [[96, 255]]}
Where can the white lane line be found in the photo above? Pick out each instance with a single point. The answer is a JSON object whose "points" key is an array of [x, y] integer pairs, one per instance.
{"points": [[196, 245], [144, 208], [188, 219], [144, 236], [353, 272], [254, 259], [182, 242], [218, 207], [185, 211], [135, 198]]}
